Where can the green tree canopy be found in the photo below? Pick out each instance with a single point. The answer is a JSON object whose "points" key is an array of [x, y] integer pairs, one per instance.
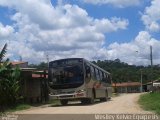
{"points": [[122, 72]]}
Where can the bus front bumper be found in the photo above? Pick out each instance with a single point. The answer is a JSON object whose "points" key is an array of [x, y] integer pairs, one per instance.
{"points": [[68, 96]]}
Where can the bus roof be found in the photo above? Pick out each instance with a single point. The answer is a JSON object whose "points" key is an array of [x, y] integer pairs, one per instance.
{"points": [[83, 60], [66, 59]]}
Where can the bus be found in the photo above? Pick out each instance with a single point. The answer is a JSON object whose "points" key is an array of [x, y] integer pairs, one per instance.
{"points": [[78, 79]]}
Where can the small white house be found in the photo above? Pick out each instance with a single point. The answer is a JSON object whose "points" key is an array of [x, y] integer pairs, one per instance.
{"points": [[156, 84]]}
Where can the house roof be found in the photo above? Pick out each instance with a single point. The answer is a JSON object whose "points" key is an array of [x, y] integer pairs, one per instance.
{"points": [[17, 63], [126, 84], [149, 83]]}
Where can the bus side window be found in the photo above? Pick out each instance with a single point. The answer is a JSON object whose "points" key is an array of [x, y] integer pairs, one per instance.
{"points": [[97, 74], [93, 72], [88, 71], [109, 79], [105, 78], [101, 76]]}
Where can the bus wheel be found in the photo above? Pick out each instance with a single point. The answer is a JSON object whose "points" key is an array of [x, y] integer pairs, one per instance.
{"points": [[64, 102], [105, 98], [84, 101]]}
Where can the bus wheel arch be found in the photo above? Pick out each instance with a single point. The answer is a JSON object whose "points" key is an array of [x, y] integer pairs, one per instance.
{"points": [[64, 102]]}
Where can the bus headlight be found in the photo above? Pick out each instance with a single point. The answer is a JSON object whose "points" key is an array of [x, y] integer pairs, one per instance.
{"points": [[80, 93]]}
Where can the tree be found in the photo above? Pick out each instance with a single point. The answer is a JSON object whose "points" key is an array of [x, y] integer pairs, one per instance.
{"points": [[122, 72], [9, 81]]}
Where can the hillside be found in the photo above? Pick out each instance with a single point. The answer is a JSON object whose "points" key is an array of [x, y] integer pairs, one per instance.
{"points": [[122, 72]]}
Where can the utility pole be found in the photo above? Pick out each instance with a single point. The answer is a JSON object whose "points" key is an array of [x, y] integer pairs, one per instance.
{"points": [[20, 58], [151, 65], [141, 81], [47, 57]]}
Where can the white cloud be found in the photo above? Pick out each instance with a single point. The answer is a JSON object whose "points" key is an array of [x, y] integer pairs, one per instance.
{"points": [[60, 31], [127, 51], [5, 31], [151, 16], [68, 31], [117, 3], [106, 25]]}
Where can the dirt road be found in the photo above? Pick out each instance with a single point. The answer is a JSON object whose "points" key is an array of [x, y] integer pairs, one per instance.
{"points": [[125, 103]]}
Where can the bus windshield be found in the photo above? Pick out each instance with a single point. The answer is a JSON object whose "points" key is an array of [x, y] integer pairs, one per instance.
{"points": [[66, 77]]}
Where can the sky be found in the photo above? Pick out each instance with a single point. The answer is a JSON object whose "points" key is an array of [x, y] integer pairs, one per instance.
{"points": [[91, 29]]}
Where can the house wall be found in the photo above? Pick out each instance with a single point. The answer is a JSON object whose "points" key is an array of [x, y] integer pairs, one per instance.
{"points": [[33, 89], [128, 89], [149, 87]]}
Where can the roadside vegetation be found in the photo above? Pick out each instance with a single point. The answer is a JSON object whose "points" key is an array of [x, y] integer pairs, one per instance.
{"points": [[18, 107], [11, 99], [24, 106], [122, 72], [150, 102], [54, 102], [9, 82]]}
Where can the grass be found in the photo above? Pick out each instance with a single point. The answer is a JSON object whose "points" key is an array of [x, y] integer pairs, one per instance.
{"points": [[19, 107], [54, 102], [150, 102], [15, 108], [23, 106], [28, 106]]}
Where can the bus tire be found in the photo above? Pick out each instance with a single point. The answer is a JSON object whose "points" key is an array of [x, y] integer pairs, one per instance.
{"points": [[84, 101], [64, 102]]}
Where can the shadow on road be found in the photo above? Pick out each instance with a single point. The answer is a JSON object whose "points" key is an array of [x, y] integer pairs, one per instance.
{"points": [[78, 103]]}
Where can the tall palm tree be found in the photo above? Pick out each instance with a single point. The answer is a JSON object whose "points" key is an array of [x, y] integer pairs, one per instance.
{"points": [[4, 64], [3, 52], [2, 68]]}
